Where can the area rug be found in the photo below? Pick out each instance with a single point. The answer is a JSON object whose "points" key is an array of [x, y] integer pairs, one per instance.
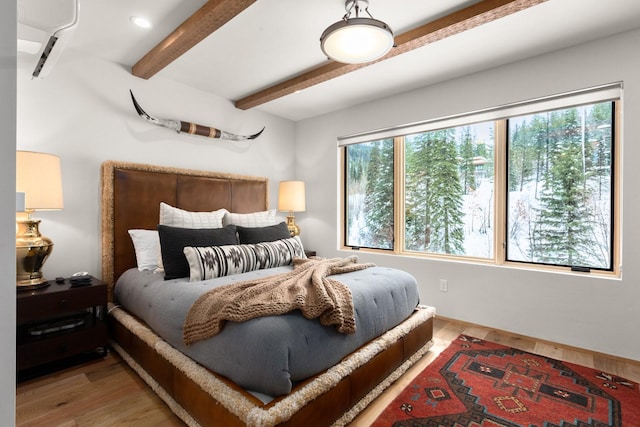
{"points": [[476, 383]]}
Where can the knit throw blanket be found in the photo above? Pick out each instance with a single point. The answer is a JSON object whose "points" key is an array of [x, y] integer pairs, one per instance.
{"points": [[307, 288]]}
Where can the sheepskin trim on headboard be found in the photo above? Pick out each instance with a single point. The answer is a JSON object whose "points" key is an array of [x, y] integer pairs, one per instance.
{"points": [[131, 196]]}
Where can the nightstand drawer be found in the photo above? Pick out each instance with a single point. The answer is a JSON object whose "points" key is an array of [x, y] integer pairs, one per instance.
{"points": [[44, 305], [60, 345]]}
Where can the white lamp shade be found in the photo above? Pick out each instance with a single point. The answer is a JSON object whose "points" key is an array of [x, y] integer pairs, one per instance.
{"points": [[357, 40], [291, 196], [38, 177]]}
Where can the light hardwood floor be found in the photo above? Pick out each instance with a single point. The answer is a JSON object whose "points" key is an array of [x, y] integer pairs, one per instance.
{"points": [[107, 393]]}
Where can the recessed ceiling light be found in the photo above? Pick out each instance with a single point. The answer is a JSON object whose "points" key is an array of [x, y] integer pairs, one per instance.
{"points": [[141, 22]]}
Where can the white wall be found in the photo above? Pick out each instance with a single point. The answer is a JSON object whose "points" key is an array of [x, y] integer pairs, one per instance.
{"points": [[83, 113], [7, 212], [582, 311]]}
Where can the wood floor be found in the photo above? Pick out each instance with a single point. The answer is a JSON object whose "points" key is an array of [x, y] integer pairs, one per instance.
{"points": [[108, 393]]}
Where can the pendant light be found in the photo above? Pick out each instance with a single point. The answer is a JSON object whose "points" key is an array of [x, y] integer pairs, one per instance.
{"points": [[359, 39]]}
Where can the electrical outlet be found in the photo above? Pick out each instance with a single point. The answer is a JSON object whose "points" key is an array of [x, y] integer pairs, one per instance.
{"points": [[444, 285]]}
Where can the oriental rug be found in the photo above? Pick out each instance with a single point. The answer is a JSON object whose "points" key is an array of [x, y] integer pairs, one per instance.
{"points": [[476, 383]]}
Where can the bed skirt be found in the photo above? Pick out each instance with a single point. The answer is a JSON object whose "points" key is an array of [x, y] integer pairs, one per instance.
{"points": [[334, 397]]}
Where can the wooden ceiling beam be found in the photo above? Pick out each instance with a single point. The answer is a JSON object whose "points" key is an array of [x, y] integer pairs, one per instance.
{"points": [[457, 22], [210, 17]]}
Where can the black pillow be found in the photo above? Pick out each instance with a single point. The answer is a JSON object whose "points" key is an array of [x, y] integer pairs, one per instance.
{"points": [[270, 233], [174, 239]]}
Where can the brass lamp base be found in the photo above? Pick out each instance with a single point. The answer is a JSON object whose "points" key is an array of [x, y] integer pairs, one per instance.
{"points": [[39, 284], [292, 226], [32, 250]]}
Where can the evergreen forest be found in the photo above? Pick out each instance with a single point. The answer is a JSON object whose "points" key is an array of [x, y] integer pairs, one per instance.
{"points": [[559, 197]]}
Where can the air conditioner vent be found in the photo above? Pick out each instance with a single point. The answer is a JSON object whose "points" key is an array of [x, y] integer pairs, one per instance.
{"points": [[49, 25]]}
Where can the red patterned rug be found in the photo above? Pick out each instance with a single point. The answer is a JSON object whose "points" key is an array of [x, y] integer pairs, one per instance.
{"points": [[476, 383]]}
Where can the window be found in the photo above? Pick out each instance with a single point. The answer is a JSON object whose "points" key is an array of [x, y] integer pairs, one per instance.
{"points": [[532, 183], [448, 191], [560, 187], [369, 195]]}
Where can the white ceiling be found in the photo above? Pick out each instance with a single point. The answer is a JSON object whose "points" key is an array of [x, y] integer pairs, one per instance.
{"points": [[273, 40]]}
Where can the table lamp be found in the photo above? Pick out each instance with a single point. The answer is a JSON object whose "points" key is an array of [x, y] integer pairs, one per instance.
{"points": [[291, 198], [38, 177]]}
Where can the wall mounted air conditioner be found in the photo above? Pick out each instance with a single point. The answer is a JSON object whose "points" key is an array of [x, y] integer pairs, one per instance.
{"points": [[44, 29]]}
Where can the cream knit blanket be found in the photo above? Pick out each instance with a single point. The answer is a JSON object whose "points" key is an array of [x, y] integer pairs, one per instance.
{"points": [[307, 288]]}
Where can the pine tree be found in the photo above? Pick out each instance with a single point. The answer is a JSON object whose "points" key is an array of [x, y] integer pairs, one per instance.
{"points": [[445, 195], [561, 233], [524, 151], [379, 199], [467, 167], [434, 195], [540, 135], [599, 125], [515, 148], [417, 163], [357, 161]]}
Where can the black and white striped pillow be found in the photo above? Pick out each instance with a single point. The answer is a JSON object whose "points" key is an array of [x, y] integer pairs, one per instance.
{"points": [[216, 261]]}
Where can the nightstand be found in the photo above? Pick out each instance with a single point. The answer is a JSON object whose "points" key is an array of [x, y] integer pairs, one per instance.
{"points": [[309, 254], [59, 322]]}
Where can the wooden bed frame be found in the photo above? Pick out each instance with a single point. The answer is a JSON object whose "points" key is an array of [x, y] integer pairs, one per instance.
{"points": [[131, 195]]}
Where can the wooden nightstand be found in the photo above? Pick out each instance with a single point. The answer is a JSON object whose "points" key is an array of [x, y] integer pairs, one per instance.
{"points": [[58, 322]]}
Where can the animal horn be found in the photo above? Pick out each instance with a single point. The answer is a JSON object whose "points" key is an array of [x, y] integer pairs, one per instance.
{"points": [[191, 128]]}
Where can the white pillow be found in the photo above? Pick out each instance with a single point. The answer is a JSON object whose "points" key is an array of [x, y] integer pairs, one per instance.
{"points": [[176, 217], [146, 244], [255, 219]]}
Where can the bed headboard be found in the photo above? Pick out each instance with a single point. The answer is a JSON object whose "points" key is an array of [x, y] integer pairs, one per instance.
{"points": [[131, 196]]}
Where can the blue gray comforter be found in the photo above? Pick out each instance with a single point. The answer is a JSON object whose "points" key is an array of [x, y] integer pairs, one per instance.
{"points": [[269, 354]]}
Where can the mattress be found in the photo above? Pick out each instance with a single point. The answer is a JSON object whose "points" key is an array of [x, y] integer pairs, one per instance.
{"points": [[269, 355]]}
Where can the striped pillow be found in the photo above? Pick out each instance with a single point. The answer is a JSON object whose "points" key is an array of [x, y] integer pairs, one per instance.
{"points": [[210, 262]]}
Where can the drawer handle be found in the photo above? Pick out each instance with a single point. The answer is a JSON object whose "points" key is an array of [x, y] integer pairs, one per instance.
{"points": [[63, 302]]}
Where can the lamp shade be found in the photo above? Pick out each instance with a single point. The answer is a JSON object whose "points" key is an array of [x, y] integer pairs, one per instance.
{"points": [[38, 177], [357, 40], [291, 196]]}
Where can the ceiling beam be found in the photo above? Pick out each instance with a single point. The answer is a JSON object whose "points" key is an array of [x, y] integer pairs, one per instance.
{"points": [[457, 22], [210, 17]]}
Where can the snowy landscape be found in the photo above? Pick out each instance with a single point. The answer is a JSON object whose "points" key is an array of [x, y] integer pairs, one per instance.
{"points": [[559, 194]]}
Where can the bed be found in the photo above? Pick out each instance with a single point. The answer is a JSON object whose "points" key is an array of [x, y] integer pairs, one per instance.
{"points": [[131, 198]]}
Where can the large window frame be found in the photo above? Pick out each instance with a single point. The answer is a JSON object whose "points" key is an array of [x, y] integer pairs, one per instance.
{"points": [[499, 116]]}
